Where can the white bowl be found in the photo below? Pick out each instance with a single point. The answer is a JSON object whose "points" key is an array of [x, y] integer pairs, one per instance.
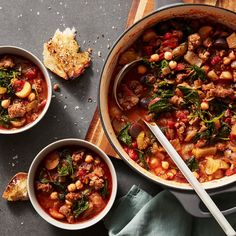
{"points": [[31, 57], [31, 176]]}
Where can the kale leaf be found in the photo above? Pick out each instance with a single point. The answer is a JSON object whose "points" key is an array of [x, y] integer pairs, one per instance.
{"points": [[192, 164], [165, 90], [104, 191], [142, 159], [67, 167], [80, 207], [124, 136], [190, 95], [162, 105], [197, 73], [4, 118]]}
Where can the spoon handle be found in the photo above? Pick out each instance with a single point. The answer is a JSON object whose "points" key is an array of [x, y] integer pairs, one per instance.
{"points": [[216, 213]]}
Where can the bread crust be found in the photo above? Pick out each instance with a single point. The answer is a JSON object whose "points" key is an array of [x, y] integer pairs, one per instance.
{"points": [[62, 55], [16, 189]]}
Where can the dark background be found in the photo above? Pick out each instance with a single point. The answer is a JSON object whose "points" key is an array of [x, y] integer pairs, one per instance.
{"points": [[28, 24]]}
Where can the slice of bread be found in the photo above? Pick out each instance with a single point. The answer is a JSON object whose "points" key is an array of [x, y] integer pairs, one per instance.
{"points": [[62, 55], [17, 188]]}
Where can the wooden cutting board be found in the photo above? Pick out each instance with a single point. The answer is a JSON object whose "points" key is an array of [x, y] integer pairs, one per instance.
{"points": [[139, 8]]}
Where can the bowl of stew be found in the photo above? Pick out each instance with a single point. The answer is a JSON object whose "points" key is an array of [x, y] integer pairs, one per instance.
{"points": [[72, 184], [185, 84], [25, 90]]}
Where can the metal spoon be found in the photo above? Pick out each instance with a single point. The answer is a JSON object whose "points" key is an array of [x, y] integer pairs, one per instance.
{"points": [[201, 192], [120, 76]]}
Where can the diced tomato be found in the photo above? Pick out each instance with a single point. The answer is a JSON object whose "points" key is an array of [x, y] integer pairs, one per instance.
{"points": [[18, 85], [132, 153], [171, 43], [170, 124], [31, 73], [180, 66], [230, 172], [228, 120], [215, 60], [161, 56], [134, 144], [81, 172], [181, 115], [167, 36]]}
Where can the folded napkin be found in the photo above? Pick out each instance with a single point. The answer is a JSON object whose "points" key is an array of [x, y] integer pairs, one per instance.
{"points": [[138, 213]]}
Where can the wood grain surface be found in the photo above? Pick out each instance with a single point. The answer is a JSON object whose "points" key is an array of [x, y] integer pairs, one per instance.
{"points": [[139, 8]]}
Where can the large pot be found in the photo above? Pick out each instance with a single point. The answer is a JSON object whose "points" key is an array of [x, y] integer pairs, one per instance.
{"points": [[126, 39]]}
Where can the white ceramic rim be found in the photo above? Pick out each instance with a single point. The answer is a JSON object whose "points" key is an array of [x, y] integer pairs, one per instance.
{"points": [[31, 176], [31, 57], [130, 35]]}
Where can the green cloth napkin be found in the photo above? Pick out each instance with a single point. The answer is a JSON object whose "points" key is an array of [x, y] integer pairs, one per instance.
{"points": [[138, 213]]}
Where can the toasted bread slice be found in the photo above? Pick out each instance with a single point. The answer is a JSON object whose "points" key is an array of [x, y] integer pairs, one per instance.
{"points": [[17, 188], [62, 55]]}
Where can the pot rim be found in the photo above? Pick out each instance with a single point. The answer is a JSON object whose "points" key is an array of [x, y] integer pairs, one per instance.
{"points": [[177, 185]]}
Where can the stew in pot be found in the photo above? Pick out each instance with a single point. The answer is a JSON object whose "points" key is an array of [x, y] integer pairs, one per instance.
{"points": [[186, 84]]}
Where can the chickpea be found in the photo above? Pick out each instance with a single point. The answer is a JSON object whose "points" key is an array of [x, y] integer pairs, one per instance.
{"points": [[31, 97], [226, 60], [168, 55], [172, 64], [5, 103], [154, 57], [154, 162], [204, 106], [142, 69], [196, 174], [54, 195], [165, 165], [78, 184], [232, 55], [71, 187], [233, 65], [170, 175], [226, 75], [88, 159], [174, 171]]}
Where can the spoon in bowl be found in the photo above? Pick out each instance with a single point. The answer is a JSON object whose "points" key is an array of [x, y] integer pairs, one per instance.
{"points": [[120, 76]]}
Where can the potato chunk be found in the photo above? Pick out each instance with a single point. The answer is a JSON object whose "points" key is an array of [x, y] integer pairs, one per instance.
{"points": [[26, 90], [202, 152]]}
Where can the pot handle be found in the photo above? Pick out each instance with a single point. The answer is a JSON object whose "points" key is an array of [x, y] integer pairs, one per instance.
{"points": [[193, 205], [161, 4]]}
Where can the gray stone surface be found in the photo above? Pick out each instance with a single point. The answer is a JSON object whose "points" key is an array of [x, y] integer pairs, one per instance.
{"points": [[28, 24]]}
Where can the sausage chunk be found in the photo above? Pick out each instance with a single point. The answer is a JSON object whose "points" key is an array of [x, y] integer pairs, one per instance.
{"points": [[7, 62], [16, 110], [194, 40]]}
